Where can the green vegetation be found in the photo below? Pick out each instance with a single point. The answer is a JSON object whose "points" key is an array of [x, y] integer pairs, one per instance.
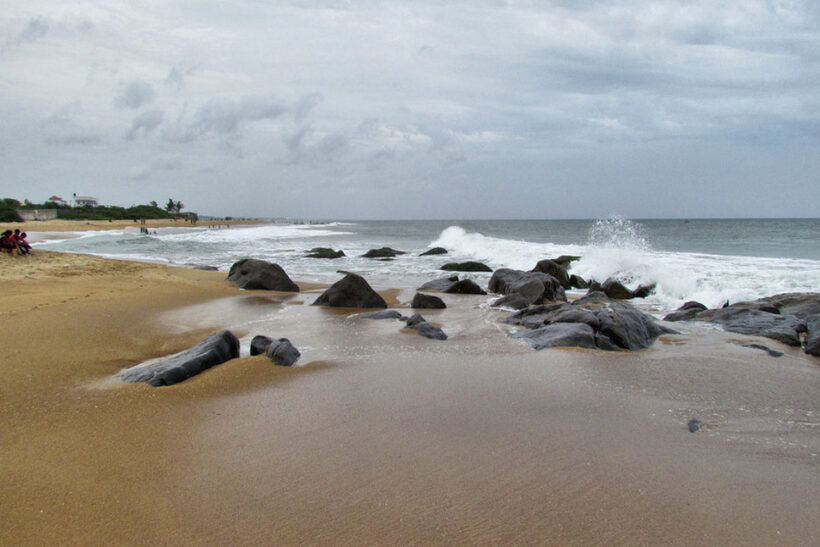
{"points": [[8, 211]]}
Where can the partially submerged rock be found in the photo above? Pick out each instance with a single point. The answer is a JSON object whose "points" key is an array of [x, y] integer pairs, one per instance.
{"points": [[464, 286], [555, 270], [352, 291], [427, 301], [511, 301], [418, 323], [615, 289], [590, 322], [324, 252], [782, 317], [259, 344], [434, 251], [535, 287], [386, 314], [282, 353], [214, 350], [439, 284], [469, 266], [251, 273], [384, 252]]}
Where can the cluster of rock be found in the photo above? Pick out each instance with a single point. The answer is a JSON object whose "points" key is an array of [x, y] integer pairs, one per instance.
{"points": [[792, 318], [280, 351], [594, 321], [416, 322]]}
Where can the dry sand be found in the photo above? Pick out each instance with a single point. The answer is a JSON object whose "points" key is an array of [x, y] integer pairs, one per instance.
{"points": [[61, 225], [380, 436]]}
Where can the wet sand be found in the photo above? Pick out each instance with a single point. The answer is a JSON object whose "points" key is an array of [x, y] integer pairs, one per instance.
{"points": [[380, 436], [63, 225]]}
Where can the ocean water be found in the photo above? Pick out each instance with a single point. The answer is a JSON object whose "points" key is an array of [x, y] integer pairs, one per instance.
{"points": [[711, 261]]}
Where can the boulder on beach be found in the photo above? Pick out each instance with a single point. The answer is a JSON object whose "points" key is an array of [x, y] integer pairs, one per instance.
{"points": [[282, 353], [324, 252], [427, 301], [251, 273], [534, 286], [434, 251], [469, 266], [812, 346], [464, 286], [352, 291], [578, 282], [386, 314], [439, 284], [554, 269], [782, 317], [259, 344], [617, 290], [418, 323], [594, 322], [214, 350], [566, 260], [384, 252], [511, 301]]}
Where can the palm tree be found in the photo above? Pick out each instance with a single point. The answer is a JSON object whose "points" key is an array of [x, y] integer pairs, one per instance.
{"points": [[170, 206], [179, 206]]}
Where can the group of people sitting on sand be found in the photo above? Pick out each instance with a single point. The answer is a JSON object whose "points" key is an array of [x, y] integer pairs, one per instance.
{"points": [[14, 243]]}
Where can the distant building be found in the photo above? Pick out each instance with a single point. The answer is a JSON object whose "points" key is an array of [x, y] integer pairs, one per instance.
{"points": [[58, 200], [37, 214], [82, 201]]}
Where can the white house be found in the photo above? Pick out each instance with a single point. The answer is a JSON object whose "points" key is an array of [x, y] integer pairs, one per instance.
{"points": [[82, 201], [58, 200]]}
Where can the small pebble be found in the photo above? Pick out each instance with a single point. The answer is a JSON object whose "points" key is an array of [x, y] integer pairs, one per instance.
{"points": [[694, 425]]}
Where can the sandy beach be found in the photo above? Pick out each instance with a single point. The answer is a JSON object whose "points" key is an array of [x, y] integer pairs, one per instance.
{"points": [[380, 436], [62, 225]]}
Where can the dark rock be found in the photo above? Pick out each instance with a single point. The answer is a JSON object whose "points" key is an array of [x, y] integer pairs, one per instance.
{"points": [[593, 286], [534, 286], [352, 291], [282, 353], [259, 344], [469, 266], [387, 314], [555, 270], [565, 260], [427, 301], [512, 301], [439, 284], [685, 312], [693, 425], [615, 289], [812, 346], [415, 319], [207, 268], [578, 282], [613, 325], [464, 286], [250, 273], [418, 323], [384, 252], [214, 350], [644, 290], [324, 252], [749, 320], [435, 251], [578, 335], [771, 352], [802, 305]]}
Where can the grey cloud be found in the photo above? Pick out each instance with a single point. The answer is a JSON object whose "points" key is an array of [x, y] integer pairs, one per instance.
{"points": [[175, 78], [139, 172], [166, 164], [73, 139], [135, 95], [225, 116], [36, 29], [145, 122]]}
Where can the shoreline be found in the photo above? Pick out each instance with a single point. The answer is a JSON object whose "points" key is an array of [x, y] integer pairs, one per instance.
{"points": [[379, 434], [63, 225]]}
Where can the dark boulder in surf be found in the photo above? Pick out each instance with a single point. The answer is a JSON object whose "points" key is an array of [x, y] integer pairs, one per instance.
{"points": [[282, 353], [384, 252], [578, 282], [427, 301], [352, 291], [439, 284], [324, 252], [554, 269], [419, 324], [782, 317], [250, 274], [812, 346], [214, 350], [511, 301], [434, 251], [469, 266], [687, 311], [464, 286], [534, 286], [607, 325], [259, 344], [387, 314]]}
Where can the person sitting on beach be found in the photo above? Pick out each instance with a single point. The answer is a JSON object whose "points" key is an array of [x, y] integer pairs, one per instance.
{"points": [[7, 243], [23, 245]]}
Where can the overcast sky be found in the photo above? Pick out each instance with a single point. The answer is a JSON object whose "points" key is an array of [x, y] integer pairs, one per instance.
{"points": [[398, 109]]}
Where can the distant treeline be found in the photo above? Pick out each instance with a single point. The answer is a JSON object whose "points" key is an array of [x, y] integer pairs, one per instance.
{"points": [[9, 206]]}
